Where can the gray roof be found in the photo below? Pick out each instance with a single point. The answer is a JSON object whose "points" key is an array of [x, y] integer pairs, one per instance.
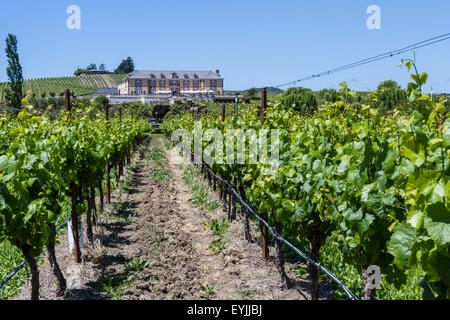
{"points": [[146, 74], [105, 91]]}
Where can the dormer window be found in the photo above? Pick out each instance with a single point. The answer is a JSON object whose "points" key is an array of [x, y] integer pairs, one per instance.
{"points": [[186, 76], [153, 76], [195, 76], [163, 76], [174, 76]]}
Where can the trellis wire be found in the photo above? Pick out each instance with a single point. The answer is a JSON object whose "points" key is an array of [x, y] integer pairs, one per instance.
{"points": [[278, 237], [13, 273]]}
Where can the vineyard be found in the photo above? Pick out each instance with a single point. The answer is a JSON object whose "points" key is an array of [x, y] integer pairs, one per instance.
{"points": [[357, 188], [80, 86], [47, 166], [374, 183]]}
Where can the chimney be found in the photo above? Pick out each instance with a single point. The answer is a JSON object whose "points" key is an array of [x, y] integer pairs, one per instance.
{"points": [[217, 71]]}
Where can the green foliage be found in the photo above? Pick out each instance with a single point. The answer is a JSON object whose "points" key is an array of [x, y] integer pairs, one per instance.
{"points": [[209, 290], [201, 196], [218, 245], [299, 99], [388, 95], [378, 182], [14, 72], [219, 228], [41, 160], [328, 95], [78, 72], [92, 66], [126, 66], [251, 93], [100, 101]]}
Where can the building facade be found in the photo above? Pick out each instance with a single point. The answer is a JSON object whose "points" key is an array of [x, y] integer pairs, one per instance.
{"points": [[174, 83]]}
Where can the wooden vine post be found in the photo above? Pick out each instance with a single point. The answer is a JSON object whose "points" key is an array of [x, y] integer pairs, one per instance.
{"points": [[73, 190], [108, 166], [263, 227], [121, 161], [67, 100], [220, 181]]}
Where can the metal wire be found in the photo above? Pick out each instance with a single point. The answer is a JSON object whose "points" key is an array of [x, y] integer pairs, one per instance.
{"points": [[390, 54], [13, 273], [278, 237]]}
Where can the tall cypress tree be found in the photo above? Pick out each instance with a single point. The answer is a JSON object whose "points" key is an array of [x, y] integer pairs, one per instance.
{"points": [[14, 71]]}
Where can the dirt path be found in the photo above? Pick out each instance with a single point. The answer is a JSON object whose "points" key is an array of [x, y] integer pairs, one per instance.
{"points": [[154, 244]]}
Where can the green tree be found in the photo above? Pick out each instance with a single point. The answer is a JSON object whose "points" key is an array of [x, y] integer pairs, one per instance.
{"points": [[299, 99], [79, 71], [328, 95], [92, 66], [14, 71], [100, 101], [126, 66], [102, 67], [389, 94], [251, 93]]}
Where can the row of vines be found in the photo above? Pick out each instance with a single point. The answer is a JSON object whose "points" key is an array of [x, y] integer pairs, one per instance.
{"points": [[82, 85], [47, 166], [378, 182]]}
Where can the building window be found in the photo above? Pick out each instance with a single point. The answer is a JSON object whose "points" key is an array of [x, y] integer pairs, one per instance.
{"points": [[174, 76], [213, 83], [153, 83], [138, 83], [152, 90], [138, 90], [186, 76], [186, 83], [195, 76], [195, 83], [163, 76], [174, 83], [153, 76], [162, 83]]}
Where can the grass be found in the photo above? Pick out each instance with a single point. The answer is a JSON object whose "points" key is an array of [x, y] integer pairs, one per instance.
{"points": [[332, 258], [156, 155], [201, 197], [246, 294], [219, 228], [10, 258], [218, 245], [115, 285], [160, 174], [209, 290]]}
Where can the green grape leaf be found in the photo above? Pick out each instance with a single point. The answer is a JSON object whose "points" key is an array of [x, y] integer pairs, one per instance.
{"points": [[437, 223], [401, 243]]}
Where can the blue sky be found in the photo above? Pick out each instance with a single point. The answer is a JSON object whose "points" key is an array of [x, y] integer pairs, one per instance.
{"points": [[254, 43]]}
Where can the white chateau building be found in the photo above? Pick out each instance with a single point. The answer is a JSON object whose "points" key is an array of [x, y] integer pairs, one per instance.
{"points": [[173, 83]]}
